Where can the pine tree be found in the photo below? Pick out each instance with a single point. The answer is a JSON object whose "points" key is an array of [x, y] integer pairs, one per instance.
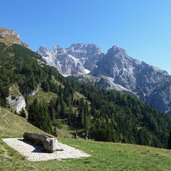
{"points": [[169, 141], [38, 116], [63, 108], [33, 110], [52, 112]]}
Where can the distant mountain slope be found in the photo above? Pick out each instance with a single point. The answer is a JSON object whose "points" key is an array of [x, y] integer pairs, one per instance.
{"points": [[149, 83], [104, 82]]}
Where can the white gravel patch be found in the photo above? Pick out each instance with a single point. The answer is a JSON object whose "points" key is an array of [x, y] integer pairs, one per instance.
{"points": [[36, 153]]}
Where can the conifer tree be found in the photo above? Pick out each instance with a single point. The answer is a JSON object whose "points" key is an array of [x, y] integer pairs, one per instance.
{"points": [[169, 141]]}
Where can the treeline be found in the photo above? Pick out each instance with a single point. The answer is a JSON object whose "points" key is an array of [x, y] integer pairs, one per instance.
{"points": [[107, 115]]}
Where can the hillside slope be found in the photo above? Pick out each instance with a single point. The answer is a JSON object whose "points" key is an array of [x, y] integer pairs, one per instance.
{"points": [[12, 125]]}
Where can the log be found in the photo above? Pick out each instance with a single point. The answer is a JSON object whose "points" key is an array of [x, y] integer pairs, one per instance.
{"points": [[49, 143]]}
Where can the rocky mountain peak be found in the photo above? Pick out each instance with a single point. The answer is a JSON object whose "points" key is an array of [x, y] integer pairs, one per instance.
{"points": [[42, 48], [43, 51], [58, 50], [115, 50], [6, 32], [77, 59], [118, 56], [84, 50], [10, 37]]}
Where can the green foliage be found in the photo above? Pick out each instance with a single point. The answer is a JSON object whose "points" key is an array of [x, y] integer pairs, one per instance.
{"points": [[23, 113], [4, 93], [169, 141], [20, 68], [123, 118], [38, 116]]}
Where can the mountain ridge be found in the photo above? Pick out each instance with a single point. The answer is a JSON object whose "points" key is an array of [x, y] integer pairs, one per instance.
{"points": [[146, 81]]}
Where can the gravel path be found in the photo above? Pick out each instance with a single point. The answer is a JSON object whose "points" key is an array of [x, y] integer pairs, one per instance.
{"points": [[36, 153]]}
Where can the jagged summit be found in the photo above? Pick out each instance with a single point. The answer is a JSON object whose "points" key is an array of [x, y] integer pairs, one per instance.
{"points": [[5, 31], [76, 59], [89, 48], [115, 49]]}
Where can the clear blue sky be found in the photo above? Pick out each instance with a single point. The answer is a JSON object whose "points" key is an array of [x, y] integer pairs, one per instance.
{"points": [[142, 27]]}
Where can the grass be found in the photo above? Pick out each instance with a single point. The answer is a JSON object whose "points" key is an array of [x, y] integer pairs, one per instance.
{"points": [[42, 96], [12, 125], [78, 96], [57, 82], [105, 156], [64, 130], [14, 90]]}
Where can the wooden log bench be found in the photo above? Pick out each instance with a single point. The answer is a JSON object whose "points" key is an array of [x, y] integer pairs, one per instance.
{"points": [[49, 143]]}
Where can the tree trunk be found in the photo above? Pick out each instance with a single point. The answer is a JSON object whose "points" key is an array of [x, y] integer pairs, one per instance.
{"points": [[49, 143]]}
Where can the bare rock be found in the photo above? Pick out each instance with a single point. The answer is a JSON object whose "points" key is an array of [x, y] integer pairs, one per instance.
{"points": [[16, 103]]}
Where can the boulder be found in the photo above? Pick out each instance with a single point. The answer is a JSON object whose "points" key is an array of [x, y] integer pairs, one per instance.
{"points": [[49, 143]]}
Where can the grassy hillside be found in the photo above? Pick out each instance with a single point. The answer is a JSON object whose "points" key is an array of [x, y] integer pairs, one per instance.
{"points": [[105, 156], [12, 125]]}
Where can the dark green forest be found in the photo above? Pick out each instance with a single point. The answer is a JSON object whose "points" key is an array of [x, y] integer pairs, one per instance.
{"points": [[107, 115]]}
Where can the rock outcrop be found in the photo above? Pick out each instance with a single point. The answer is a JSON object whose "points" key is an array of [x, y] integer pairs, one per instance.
{"points": [[16, 103], [15, 99], [10, 37]]}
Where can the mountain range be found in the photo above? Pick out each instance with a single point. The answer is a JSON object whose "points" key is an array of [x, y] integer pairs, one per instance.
{"points": [[39, 93], [112, 70]]}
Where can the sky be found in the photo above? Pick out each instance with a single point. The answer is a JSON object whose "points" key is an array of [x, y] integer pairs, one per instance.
{"points": [[141, 27]]}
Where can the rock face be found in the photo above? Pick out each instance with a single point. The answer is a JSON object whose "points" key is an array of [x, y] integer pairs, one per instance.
{"points": [[49, 143], [114, 70], [88, 54], [151, 84], [119, 66], [5, 32], [77, 59], [10, 37], [16, 103]]}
